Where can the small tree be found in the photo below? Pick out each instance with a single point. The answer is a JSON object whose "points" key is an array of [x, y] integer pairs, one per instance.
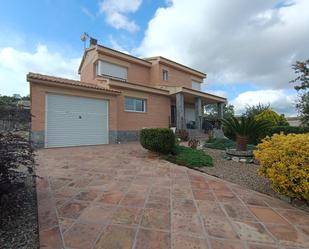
{"points": [[253, 110], [244, 129], [211, 111], [301, 68], [274, 118]]}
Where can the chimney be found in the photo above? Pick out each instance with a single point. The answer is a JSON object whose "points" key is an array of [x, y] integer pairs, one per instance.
{"points": [[93, 42]]}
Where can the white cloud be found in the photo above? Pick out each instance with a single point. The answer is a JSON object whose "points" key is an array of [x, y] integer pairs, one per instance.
{"points": [[237, 41], [282, 101], [15, 64], [115, 12]]}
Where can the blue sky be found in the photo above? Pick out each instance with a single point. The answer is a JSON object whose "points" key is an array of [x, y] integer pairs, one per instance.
{"points": [[245, 47]]}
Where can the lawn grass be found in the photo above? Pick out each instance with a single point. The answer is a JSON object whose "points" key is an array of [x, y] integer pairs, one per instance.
{"points": [[223, 143], [191, 158]]}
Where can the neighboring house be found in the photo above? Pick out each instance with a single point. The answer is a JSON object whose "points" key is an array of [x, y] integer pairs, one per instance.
{"points": [[294, 121], [117, 95]]}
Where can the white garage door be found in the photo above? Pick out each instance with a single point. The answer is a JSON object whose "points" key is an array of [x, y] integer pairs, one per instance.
{"points": [[72, 121]]}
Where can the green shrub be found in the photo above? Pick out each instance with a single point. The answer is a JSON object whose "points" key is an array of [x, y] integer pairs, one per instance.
{"points": [[272, 117], [223, 143], [182, 134], [160, 140], [191, 158], [286, 130], [284, 161]]}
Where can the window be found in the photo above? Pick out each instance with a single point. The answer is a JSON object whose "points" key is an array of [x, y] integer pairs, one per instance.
{"points": [[196, 85], [113, 70], [135, 105], [165, 74]]}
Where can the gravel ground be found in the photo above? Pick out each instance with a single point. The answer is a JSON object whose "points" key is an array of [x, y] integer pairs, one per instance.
{"points": [[18, 218], [242, 174]]}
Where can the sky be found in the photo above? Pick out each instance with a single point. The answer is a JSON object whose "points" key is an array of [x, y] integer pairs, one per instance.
{"points": [[245, 47]]}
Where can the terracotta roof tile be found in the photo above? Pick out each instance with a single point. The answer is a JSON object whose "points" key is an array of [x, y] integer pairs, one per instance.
{"points": [[64, 81]]}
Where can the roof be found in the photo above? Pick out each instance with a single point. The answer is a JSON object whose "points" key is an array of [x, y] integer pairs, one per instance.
{"points": [[69, 82], [115, 53], [170, 62], [144, 61]]}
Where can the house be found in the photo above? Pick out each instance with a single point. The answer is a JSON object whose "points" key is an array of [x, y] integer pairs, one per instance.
{"points": [[117, 95]]}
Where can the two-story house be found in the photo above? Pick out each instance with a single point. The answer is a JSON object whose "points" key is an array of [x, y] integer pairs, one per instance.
{"points": [[117, 95]]}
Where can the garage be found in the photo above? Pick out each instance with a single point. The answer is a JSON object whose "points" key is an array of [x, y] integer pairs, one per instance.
{"points": [[75, 121]]}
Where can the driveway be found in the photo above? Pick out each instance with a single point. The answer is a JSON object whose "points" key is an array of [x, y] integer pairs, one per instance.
{"points": [[120, 196]]}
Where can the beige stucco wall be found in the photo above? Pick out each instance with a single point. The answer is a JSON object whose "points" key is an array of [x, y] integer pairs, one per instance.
{"points": [[176, 77], [137, 73], [157, 113]]}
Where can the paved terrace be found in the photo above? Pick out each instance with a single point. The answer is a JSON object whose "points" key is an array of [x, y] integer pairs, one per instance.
{"points": [[120, 196]]}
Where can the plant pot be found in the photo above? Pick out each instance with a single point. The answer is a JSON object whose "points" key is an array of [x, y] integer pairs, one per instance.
{"points": [[241, 142]]}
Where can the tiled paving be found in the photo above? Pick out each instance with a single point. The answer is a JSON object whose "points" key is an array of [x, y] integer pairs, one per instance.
{"points": [[120, 196]]}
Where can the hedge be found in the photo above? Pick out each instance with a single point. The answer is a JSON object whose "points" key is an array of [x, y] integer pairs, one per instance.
{"points": [[161, 140], [286, 130]]}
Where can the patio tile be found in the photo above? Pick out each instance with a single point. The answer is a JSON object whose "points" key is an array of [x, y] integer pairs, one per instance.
{"points": [[210, 209], [228, 197], [158, 202], [116, 237], [261, 246], [203, 195], [201, 184], [150, 239], [98, 213], [88, 195], [111, 197], [133, 200], [238, 212], [66, 192], [267, 215], [72, 209], [252, 231], [82, 236], [184, 205], [181, 241], [65, 224], [288, 235], [295, 216], [160, 191], [51, 238], [218, 186], [157, 219], [47, 214], [253, 200], [127, 216], [187, 223], [223, 244], [219, 227]]}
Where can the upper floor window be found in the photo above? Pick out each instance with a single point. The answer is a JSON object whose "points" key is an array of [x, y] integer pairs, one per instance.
{"points": [[196, 85], [135, 104], [113, 70], [165, 74]]}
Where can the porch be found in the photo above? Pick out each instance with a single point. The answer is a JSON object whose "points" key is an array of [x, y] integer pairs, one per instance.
{"points": [[187, 108]]}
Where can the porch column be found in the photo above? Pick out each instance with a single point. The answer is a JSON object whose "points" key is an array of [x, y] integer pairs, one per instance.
{"points": [[198, 113], [180, 111], [220, 112]]}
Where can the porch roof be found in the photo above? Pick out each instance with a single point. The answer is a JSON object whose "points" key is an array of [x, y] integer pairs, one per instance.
{"points": [[190, 95]]}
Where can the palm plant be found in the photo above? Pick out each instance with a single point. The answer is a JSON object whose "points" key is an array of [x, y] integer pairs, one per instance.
{"points": [[244, 129]]}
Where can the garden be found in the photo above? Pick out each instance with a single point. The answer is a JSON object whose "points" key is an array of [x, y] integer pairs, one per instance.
{"points": [[260, 151]]}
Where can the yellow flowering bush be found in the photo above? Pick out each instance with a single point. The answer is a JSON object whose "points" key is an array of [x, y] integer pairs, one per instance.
{"points": [[284, 159]]}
